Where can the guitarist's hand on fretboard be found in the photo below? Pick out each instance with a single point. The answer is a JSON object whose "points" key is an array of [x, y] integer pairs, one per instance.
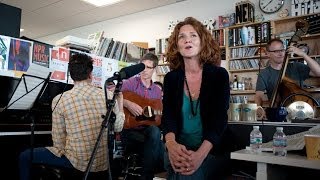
{"points": [[134, 108]]}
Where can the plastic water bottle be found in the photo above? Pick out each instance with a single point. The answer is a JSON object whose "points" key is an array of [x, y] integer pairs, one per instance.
{"points": [[255, 140], [279, 142]]}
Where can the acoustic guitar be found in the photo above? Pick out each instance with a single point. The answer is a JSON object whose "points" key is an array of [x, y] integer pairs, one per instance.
{"points": [[151, 115]]}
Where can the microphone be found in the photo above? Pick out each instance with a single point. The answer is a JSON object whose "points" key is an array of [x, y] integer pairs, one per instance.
{"points": [[127, 72]]}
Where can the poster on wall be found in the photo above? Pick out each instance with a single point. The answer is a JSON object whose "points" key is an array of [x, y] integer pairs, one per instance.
{"points": [[4, 55], [109, 67], [97, 71], [20, 54], [59, 64], [41, 54]]}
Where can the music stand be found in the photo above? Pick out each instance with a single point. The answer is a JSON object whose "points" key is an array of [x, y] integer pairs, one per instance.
{"points": [[108, 121], [29, 89]]}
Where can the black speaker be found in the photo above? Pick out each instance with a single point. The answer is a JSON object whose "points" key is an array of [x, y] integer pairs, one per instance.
{"points": [[10, 18]]}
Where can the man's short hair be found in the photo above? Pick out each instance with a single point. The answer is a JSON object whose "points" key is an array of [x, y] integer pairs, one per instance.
{"points": [[152, 57], [80, 66], [272, 41]]}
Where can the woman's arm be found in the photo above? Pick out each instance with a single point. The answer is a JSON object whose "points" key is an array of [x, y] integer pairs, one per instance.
{"points": [[178, 154], [215, 104]]}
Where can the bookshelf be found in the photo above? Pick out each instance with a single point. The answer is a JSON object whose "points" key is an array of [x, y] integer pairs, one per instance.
{"points": [[163, 66], [245, 55], [161, 71], [281, 27], [247, 60]]}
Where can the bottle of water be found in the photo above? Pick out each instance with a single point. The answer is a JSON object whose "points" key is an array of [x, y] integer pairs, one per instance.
{"points": [[255, 140], [279, 142]]}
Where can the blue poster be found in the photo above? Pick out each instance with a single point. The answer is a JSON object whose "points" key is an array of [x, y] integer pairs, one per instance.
{"points": [[19, 55]]}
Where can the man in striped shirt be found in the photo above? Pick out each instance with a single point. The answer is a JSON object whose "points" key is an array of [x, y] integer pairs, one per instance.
{"points": [[145, 139], [76, 123]]}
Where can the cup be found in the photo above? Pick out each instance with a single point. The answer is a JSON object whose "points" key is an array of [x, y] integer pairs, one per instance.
{"points": [[312, 146], [249, 112], [278, 114], [234, 112]]}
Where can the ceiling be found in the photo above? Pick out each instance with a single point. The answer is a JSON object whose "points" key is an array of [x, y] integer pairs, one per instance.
{"points": [[40, 18]]}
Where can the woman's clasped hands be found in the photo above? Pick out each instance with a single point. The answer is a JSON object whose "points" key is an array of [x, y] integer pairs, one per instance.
{"points": [[182, 160]]}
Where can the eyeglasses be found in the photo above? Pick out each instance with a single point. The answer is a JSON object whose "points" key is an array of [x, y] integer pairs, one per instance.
{"points": [[278, 51]]}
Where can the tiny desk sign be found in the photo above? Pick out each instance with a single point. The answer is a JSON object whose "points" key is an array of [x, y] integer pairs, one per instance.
{"points": [[303, 7], [244, 12]]}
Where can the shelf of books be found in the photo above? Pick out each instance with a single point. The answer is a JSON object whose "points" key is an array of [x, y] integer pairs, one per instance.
{"points": [[162, 69], [242, 92], [244, 70], [249, 45], [316, 57], [310, 42], [163, 66], [220, 37], [246, 56]]}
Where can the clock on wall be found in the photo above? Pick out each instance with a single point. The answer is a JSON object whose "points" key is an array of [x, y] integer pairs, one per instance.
{"points": [[270, 6]]}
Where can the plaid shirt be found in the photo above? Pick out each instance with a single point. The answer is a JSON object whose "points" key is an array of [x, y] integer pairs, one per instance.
{"points": [[76, 123]]}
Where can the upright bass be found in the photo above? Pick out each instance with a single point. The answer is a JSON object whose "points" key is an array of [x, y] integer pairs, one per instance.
{"points": [[285, 86]]}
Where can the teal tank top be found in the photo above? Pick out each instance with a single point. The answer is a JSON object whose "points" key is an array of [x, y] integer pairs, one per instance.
{"points": [[191, 134]]}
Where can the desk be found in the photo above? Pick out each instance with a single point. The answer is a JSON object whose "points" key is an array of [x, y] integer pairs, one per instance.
{"points": [[240, 131], [264, 160]]}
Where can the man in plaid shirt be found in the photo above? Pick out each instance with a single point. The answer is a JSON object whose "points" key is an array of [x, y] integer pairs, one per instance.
{"points": [[76, 123]]}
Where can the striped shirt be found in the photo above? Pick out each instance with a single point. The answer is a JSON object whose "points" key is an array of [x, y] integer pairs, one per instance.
{"points": [[135, 84], [76, 123]]}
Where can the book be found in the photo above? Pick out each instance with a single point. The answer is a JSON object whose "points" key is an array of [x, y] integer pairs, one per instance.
{"points": [[95, 40], [226, 20], [133, 53]]}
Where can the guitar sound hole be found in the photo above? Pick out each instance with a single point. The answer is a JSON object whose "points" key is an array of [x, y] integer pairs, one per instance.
{"points": [[147, 114]]}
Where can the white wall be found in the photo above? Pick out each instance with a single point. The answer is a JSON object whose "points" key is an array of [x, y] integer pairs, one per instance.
{"points": [[149, 25]]}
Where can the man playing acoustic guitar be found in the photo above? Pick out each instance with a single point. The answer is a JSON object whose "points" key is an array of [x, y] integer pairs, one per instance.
{"points": [[146, 138]]}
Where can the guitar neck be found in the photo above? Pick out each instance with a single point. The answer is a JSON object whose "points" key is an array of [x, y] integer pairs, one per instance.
{"points": [[281, 75]]}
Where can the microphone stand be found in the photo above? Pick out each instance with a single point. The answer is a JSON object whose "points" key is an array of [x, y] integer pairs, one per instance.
{"points": [[107, 122]]}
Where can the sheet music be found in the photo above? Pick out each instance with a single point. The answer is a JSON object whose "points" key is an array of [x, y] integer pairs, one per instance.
{"points": [[295, 141], [26, 102]]}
